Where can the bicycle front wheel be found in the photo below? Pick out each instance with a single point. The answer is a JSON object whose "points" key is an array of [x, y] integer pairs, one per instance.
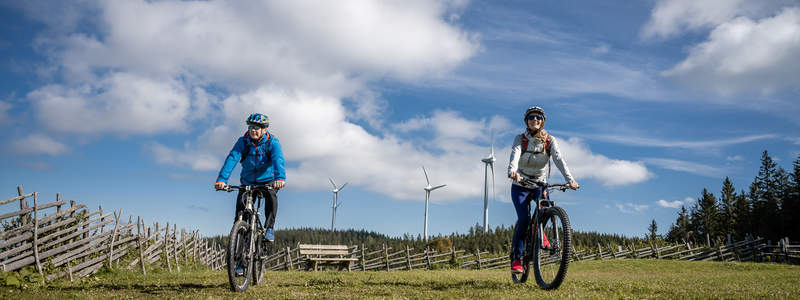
{"points": [[258, 260], [239, 258], [552, 252]]}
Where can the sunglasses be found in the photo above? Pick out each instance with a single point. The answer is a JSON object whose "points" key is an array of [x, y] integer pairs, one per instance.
{"points": [[256, 127], [537, 117]]}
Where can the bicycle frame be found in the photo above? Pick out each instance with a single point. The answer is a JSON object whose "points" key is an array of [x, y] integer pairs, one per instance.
{"points": [[535, 226], [254, 214]]}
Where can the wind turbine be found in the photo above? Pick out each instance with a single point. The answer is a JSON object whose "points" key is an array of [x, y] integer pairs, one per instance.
{"points": [[488, 162], [336, 202], [428, 190]]}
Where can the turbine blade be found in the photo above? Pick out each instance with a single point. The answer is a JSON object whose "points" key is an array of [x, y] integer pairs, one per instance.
{"points": [[342, 187], [492, 153], [333, 184], [438, 186], [426, 175]]}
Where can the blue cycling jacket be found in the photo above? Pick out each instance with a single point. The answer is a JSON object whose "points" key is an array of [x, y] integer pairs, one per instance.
{"points": [[263, 162]]}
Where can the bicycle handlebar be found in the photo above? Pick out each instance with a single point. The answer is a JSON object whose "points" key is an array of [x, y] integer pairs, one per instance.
{"points": [[531, 183], [230, 188]]}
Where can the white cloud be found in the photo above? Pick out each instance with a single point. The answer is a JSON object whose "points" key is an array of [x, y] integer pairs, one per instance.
{"points": [[118, 103], [630, 208], [746, 55], [39, 144], [674, 204], [154, 67], [752, 45], [188, 158], [735, 158], [671, 17], [634, 140], [611, 172], [686, 166]]}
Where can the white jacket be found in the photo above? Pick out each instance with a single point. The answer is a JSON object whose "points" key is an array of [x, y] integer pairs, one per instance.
{"points": [[532, 163]]}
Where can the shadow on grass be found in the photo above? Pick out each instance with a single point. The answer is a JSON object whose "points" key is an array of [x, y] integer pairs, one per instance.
{"points": [[428, 284], [152, 289]]}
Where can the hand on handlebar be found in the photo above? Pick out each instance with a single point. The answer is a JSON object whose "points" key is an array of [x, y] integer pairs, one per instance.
{"points": [[219, 185], [515, 176], [573, 185], [278, 184]]}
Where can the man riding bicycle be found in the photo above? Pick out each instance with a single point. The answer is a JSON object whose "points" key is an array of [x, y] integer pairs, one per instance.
{"points": [[262, 163]]}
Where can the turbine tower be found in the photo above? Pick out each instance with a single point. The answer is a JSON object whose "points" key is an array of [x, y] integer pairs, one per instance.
{"points": [[428, 190], [336, 202], [488, 163]]}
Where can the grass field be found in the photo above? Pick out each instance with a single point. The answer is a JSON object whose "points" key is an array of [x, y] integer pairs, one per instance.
{"points": [[592, 279]]}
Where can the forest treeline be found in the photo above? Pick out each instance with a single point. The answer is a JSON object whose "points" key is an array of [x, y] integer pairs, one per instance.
{"points": [[497, 240], [769, 208]]}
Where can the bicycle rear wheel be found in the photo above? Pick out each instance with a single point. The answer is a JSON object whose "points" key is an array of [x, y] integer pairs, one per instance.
{"points": [[552, 254], [238, 256]]}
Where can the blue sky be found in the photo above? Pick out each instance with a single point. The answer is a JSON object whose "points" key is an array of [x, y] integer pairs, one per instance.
{"points": [[133, 105]]}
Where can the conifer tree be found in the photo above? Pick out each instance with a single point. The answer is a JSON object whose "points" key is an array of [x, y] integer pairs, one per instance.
{"points": [[705, 215], [653, 230], [765, 199], [791, 209], [727, 216], [742, 221]]}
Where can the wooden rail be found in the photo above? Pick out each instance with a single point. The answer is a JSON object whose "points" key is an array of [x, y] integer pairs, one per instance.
{"points": [[76, 242]]}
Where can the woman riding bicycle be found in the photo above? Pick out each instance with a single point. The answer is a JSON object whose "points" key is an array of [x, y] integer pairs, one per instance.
{"points": [[262, 163], [530, 155]]}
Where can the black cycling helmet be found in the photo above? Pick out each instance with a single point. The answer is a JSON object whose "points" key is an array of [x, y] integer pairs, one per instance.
{"points": [[531, 110]]}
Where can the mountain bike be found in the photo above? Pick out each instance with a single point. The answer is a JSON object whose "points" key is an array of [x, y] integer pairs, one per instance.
{"points": [[548, 240], [246, 244]]}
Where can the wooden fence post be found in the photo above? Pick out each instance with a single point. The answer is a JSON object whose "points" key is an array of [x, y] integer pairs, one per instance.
{"points": [[58, 207], [102, 228], [175, 246], [599, 251], [22, 205], [113, 236], [183, 242], [480, 264], [166, 247], [36, 234], [408, 257], [386, 256], [428, 258], [139, 244], [363, 259], [289, 265]]}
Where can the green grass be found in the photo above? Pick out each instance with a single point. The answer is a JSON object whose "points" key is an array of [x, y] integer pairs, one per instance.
{"points": [[591, 279]]}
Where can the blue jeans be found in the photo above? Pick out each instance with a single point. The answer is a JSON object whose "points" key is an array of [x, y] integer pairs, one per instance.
{"points": [[518, 195]]}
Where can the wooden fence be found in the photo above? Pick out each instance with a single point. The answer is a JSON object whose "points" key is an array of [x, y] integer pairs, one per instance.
{"points": [[67, 239], [388, 259]]}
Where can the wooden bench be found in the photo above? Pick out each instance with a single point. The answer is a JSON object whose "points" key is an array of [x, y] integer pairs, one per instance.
{"points": [[316, 255]]}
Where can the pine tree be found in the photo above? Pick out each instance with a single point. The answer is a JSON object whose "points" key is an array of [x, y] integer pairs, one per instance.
{"points": [[727, 216], [705, 216], [742, 226], [782, 192], [765, 199], [653, 229], [679, 232], [791, 206]]}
